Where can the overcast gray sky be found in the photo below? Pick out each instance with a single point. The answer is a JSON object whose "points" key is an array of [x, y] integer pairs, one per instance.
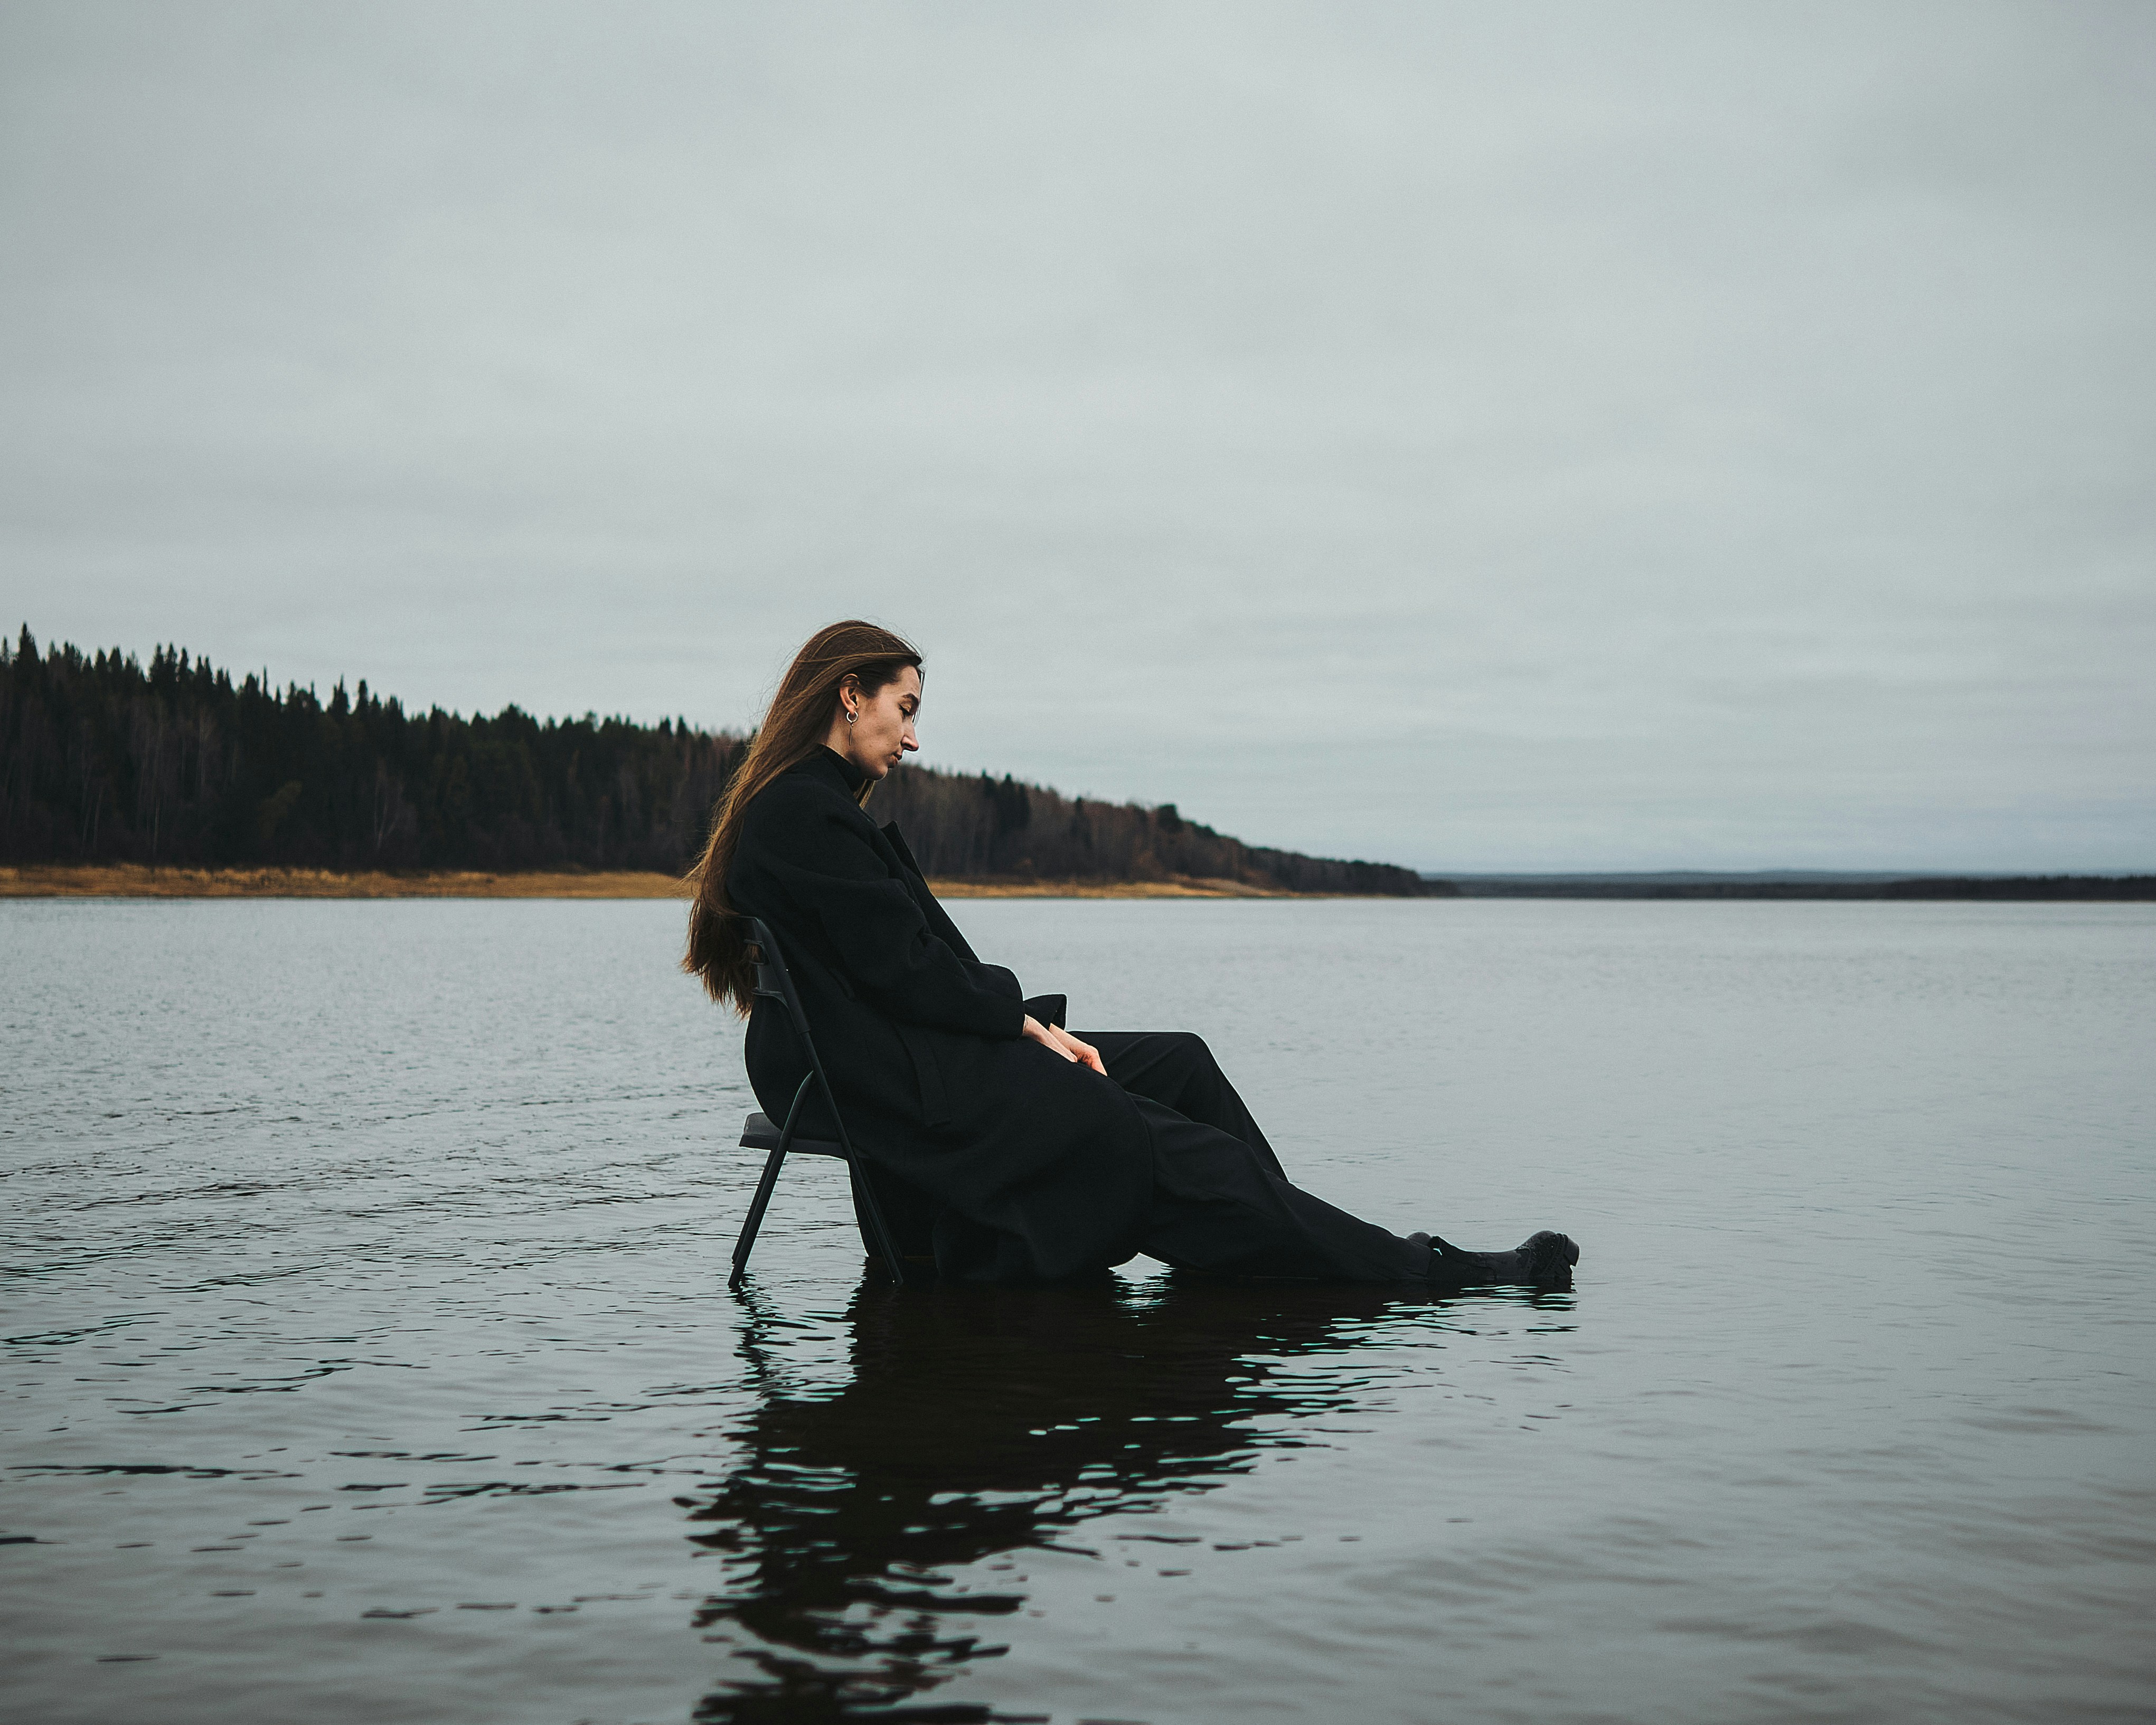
{"points": [[1480, 437]]}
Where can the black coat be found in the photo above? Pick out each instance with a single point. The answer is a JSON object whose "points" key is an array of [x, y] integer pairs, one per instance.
{"points": [[1019, 1162]]}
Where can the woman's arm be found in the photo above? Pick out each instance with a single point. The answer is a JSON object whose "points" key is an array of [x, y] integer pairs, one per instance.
{"points": [[821, 855]]}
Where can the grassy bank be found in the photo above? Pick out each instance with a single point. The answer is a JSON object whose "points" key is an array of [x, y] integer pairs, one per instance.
{"points": [[134, 880]]}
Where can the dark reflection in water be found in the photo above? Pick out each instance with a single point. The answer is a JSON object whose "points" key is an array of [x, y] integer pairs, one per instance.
{"points": [[977, 1423]]}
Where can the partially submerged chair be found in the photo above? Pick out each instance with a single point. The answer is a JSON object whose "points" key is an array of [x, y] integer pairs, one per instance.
{"points": [[773, 984]]}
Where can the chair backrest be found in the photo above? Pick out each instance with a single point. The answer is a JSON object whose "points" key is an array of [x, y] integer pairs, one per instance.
{"points": [[773, 981]]}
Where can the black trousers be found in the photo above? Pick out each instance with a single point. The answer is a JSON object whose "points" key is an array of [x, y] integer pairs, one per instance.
{"points": [[1221, 1203]]}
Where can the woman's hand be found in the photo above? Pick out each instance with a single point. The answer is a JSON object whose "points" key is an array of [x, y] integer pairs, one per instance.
{"points": [[1083, 1054]]}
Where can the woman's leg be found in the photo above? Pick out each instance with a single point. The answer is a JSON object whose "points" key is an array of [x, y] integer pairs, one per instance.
{"points": [[1176, 1067], [1222, 1204], [1218, 1205], [1220, 1200]]}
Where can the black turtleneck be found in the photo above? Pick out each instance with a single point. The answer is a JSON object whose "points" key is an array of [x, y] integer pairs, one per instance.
{"points": [[829, 763]]}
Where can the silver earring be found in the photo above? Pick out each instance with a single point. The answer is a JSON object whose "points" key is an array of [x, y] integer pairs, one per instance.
{"points": [[850, 715]]}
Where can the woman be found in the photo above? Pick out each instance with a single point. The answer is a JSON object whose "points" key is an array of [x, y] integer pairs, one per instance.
{"points": [[1006, 1147]]}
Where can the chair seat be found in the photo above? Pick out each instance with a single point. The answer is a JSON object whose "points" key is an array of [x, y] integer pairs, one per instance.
{"points": [[761, 1132]]}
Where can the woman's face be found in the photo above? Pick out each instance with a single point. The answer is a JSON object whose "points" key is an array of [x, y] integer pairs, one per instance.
{"points": [[881, 733]]}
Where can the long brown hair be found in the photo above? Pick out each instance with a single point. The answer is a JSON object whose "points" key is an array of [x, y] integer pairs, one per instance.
{"points": [[799, 717]]}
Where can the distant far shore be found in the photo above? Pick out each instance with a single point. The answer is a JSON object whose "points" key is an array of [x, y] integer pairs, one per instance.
{"points": [[137, 880], [1820, 883]]}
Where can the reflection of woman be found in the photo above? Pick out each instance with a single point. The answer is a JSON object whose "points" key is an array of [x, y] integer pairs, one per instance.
{"points": [[974, 1426], [1010, 1148]]}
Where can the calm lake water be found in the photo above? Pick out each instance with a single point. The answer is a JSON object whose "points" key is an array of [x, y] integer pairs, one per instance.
{"points": [[370, 1357]]}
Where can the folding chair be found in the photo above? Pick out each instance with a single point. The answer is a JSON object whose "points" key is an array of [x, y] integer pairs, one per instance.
{"points": [[773, 984]]}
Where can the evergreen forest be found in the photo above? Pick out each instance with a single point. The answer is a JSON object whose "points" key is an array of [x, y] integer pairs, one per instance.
{"points": [[104, 759]]}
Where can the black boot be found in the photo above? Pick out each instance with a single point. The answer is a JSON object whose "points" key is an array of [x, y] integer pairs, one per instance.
{"points": [[1544, 1260]]}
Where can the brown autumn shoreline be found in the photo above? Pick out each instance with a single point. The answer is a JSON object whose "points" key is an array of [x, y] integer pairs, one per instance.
{"points": [[135, 880]]}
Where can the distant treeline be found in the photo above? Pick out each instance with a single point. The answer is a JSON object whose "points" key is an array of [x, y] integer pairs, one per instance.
{"points": [[104, 759]]}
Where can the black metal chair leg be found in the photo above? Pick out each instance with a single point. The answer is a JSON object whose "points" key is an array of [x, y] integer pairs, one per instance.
{"points": [[764, 1186], [757, 1205]]}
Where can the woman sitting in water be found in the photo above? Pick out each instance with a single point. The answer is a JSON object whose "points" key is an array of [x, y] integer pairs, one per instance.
{"points": [[1010, 1148]]}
